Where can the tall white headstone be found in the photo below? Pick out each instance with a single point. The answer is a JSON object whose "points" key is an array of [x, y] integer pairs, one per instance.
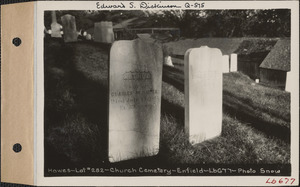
{"points": [[233, 62], [55, 27], [288, 82], [203, 93], [134, 99], [225, 63]]}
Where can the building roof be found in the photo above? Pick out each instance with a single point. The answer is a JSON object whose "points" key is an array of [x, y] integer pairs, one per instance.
{"points": [[256, 45], [280, 56], [226, 45]]}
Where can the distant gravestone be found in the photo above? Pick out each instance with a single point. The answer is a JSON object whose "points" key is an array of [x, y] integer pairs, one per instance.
{"points": [[88, 37], [168, 61], [104, 32], [288, 82], [144, 36], [225, 63], [69, 28], [203, 93], [55, 27], [233, 62], [134, 99]]}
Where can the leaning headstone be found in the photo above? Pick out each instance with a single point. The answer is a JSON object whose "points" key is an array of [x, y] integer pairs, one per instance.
{"points": [[55, 27], [225, 63], [233, 62], [168, 61], [203, 93], [104, 32], [288, 82], [134, 99], [69, 28]]}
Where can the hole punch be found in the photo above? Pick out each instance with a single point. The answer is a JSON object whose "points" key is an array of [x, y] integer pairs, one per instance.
{"points": [[17, 148], [17, 41]]}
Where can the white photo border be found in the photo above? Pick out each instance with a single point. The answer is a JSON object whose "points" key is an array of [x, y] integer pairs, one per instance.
{"points": [[40, 180]]}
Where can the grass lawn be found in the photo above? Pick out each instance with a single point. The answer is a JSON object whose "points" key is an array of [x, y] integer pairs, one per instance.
{"points": [[256, 119]]}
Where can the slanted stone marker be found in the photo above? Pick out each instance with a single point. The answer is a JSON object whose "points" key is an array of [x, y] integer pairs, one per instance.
{"points": [[233, 62], [168, 61], [225, 63], [203, 93], [103, 32], [69, 28], [135, 80], [55, 27]]}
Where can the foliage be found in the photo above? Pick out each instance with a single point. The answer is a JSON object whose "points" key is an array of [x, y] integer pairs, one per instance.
{"points": [[194, 23], [230, 23]]}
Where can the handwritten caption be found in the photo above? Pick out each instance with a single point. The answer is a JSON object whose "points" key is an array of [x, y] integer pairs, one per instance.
{"points": [[144, 5], [164, 171]]}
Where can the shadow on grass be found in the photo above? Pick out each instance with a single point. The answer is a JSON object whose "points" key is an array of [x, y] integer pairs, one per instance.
{"points": [[92, 98], [248, 102], [77, 134], [245, 113], [169, 108]]}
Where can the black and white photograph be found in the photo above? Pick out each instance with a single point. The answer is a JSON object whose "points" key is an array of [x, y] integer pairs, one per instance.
{"points": [[167, 92]]}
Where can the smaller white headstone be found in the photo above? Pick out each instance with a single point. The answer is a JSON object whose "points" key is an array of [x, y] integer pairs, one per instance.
{"points": [[225, 63], [257, 81], [168, 61], [288, 83], [203, 93], [84, 33], [233, 62]]}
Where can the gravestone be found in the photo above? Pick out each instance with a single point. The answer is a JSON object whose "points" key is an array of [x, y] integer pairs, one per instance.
{"points": [[168, 61], [144, 36], [88, 37], [69, 28], [233, 62], [104, 32], [55, 27], [203, 93], [134, 99], [288, 82], [225, 63]]}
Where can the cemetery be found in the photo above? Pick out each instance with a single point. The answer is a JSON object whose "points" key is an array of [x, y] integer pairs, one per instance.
{"points": [[146, 100]]}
